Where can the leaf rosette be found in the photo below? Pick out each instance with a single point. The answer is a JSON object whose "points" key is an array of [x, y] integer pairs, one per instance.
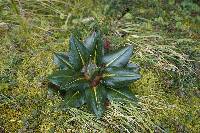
{"points": [[89, 75]]}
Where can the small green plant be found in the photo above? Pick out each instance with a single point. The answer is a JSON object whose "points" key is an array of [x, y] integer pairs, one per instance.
{"points": [[88, 74]]}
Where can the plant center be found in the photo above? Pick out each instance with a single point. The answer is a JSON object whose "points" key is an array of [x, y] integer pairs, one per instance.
{"points": [[91, 73]]}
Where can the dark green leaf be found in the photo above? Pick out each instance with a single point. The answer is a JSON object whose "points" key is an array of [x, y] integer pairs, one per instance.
{"points": [[74, 99], [91, 69], [96, 97], [120, 94], [134, 67], [67, 79], [119, 58], [115, 76], [62, 60], [83, 68], [99, 50], [52, 88], [94, 44], [90, 42], [59, 77], [78, 55], [75, 84]]}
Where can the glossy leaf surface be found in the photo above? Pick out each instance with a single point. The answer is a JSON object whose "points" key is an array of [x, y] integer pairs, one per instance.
{"points": [[133, 67], [94, 44], [74, 99], [62, 60], [78, 54], [90, 42], [120, 94], [115, 76], [68, 80], [96, 97], [119, 58], [87, 76]]}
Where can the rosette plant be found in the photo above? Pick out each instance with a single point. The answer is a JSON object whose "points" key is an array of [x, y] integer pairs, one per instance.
{"points": [[89, 75]]}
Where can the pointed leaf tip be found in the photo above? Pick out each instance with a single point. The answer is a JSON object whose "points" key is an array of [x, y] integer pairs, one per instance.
{"points": [[119, 94], [94, 45], [119, 58], [78, 53], [90, 42], [115, 76], [62, 60], [96, 98]]}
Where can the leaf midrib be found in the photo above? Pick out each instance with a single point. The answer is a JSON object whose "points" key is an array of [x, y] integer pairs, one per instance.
{"points": [[116, 75], [116, 58], [66, 62], [120, 93]]}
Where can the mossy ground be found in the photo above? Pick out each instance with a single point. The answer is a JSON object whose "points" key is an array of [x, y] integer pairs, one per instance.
{"points": [[166, 37]]}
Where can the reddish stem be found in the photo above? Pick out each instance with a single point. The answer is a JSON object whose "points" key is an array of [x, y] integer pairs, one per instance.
{"points": [[96, 80]]}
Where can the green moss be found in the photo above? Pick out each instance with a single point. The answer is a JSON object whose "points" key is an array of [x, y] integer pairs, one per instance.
{"points": [[170, 112], [169, 56]]}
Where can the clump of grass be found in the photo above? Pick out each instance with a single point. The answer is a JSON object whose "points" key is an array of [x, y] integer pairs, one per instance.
{"points": [[167, 110], [176, 57]]}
